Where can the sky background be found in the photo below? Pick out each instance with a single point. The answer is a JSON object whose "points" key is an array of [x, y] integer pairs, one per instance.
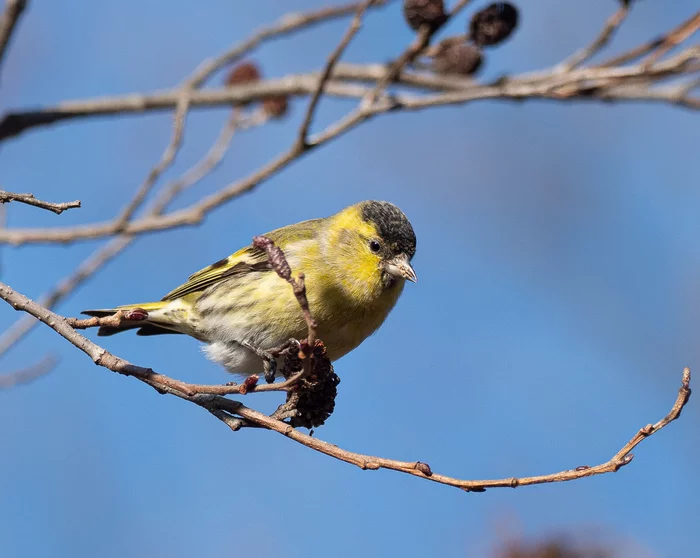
{"points": [[557, 304]]}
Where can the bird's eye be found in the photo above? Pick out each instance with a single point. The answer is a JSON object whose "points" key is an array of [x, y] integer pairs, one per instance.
{"points": [[374, 246]]}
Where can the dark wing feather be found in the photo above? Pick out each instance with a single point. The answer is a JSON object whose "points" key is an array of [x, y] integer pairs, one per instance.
{"points": [[246, 260]]}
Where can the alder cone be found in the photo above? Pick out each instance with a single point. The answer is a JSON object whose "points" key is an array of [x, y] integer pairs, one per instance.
{"points": [[276, 107], [456, 57], [246, 72], [424, 12], [493, 24]]}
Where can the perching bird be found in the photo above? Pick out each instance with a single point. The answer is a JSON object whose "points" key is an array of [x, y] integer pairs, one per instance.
{"points": [[355, 263]]}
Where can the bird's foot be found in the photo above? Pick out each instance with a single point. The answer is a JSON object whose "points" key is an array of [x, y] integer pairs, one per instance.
{"points": [[270, 356], [292, 345]]}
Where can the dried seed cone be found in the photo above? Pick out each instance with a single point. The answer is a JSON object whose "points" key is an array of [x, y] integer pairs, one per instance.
{"points": [[276, 107], [247, 72], [315, 395], [456, 57], [420, 12], [493, 24]]}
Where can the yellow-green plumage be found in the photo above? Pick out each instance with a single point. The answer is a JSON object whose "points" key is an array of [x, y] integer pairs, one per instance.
{"points": [[351, 287]]}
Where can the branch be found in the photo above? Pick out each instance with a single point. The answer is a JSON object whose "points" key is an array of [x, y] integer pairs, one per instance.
{"points": [[278, 262], [100, 257], [227, 410], [29, 374], [628, 83], [639, 51], [165, 161], [355, 26], [676, 37], [29, 199], [418, 45], [8, 22], [611, 25], [13, 124]]}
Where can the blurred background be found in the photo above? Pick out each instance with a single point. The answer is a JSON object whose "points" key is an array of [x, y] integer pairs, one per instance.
{"points": [[556, 307]]}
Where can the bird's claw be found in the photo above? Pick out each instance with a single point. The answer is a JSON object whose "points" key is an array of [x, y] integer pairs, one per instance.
{"points": [[270, 368]]}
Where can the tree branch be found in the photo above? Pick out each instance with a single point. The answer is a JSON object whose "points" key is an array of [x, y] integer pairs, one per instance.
{"points": [[355, 26], [639, 51], [29, 199], [673, 39], [28, 374], [103, 255], [587, 84], [611, 25], [227, 410], [419, 44], [8, 23]]}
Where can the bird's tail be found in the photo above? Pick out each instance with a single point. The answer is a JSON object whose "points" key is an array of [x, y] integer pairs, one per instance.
{"points": [[151, 325]]}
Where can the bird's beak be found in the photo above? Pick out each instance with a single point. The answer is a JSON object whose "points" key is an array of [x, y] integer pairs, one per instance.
{"points": [[400, 267]]}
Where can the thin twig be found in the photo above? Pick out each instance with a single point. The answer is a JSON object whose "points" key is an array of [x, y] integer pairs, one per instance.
{"points": [[13, 124], [28, 374], [165, 161], [673, 39], [639, 51], [421, 469], [115, 320], [87, 268], [611, 25], [589, 84], [29, 199], [419, 44], [286, 25], [8, 23], [355, 26], [103, 255], [224, 409], [278, 262]]}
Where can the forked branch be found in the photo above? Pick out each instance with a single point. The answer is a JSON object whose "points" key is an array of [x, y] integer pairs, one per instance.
{"points": [[230, 412]]}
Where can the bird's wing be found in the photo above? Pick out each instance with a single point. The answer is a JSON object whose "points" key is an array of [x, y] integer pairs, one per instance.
{"points": [[246, 260]]}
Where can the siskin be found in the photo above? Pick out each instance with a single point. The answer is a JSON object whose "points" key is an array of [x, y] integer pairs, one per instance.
{"points": [[355, 262]]}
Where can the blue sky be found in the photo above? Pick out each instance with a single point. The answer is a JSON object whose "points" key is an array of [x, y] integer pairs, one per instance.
{"points": [[557, 303]]}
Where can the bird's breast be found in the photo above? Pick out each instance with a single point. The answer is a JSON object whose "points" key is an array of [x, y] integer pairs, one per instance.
{"points": [[345, 321]]}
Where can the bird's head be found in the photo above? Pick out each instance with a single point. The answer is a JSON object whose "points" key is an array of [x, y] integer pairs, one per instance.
{"points": [[370, 246]]}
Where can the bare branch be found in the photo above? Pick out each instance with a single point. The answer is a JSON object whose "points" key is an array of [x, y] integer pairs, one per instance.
{"points": [[13, 124], [29, 374], [639, 51], [588, 84], [8, 23], [418, 45], [423, 470], [226, 410], [355, 26], [29, 199], [611, 25], [673, 39], [165, 161], [100, 257], [278, 262]]}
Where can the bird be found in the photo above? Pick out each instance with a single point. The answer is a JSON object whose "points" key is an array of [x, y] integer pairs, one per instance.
{"points": [[355, 263]]}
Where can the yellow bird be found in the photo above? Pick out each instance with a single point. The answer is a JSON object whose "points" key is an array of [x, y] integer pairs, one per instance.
{"points": [[355, 262]]}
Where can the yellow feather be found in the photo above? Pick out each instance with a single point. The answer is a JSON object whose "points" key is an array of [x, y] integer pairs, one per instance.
{"points": [[239, 299]]}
